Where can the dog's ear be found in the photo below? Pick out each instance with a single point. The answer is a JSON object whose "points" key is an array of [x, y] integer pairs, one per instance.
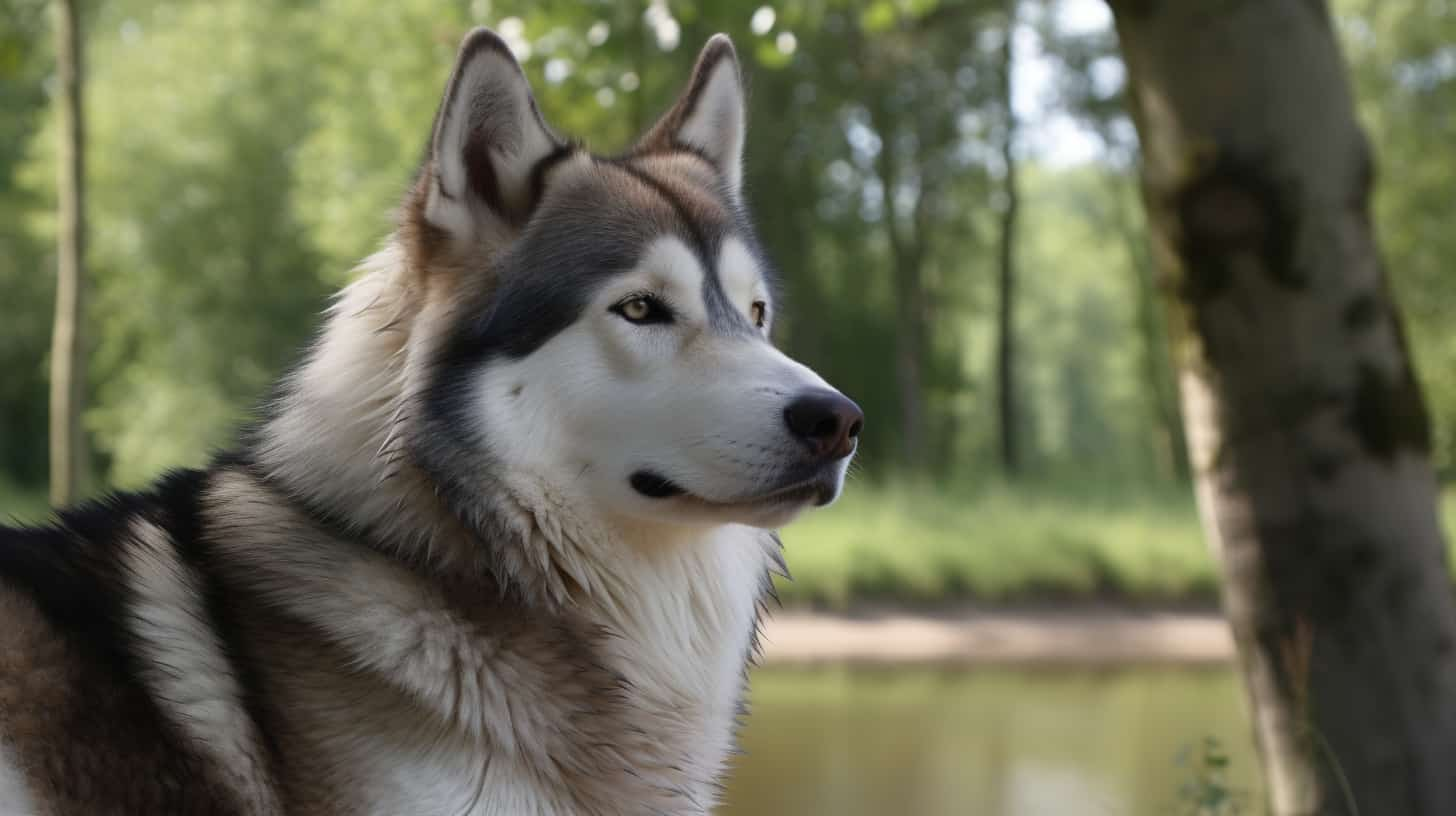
{"points": [[488, 142], [709, 118]]}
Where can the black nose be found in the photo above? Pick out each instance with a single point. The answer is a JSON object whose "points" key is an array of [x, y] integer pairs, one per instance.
{"points": [[827, 420]]}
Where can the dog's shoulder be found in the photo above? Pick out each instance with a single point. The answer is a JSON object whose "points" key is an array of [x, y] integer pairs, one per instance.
{"points": [[87, 600]]}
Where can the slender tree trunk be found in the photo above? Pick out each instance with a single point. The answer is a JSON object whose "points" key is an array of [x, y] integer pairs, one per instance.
{"points": [[907, 257], [910, 352], [1006, 263], [1307, 430], [67, 443]]}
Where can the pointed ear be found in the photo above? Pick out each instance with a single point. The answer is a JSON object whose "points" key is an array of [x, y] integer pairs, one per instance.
{"points": [[488, 141], [710, 117]]}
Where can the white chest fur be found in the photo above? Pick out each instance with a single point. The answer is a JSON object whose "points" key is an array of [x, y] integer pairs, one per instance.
{"points": [[685, 632]]}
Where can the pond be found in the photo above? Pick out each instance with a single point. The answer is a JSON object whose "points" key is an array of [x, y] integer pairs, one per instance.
{"points": [[985, 741]]}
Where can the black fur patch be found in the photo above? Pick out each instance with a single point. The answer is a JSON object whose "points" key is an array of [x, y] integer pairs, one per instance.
{"points": [[71, 567]]}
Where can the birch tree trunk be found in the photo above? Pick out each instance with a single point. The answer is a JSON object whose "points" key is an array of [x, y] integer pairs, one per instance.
{"points": [[67, 443], [1306, 427]]}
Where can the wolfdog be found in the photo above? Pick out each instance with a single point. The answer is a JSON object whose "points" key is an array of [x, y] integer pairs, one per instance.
{"points": [[499, 544]]}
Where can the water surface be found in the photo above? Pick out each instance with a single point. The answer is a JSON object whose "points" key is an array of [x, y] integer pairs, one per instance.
{"points": [[984, 741]]}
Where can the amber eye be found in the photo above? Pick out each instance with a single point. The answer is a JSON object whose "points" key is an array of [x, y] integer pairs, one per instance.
{"points": [[643, 309], [636, 309], [758, 312]]}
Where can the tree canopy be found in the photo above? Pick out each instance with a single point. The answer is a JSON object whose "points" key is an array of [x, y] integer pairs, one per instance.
{"points": [[245, 155]]}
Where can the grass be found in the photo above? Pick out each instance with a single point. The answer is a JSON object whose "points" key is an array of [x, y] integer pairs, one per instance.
{"points": [[996, 544]]}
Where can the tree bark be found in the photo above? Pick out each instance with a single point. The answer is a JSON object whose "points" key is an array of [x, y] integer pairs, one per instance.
{"points": [[1006, 262], [67, 443], [1307, 430]]}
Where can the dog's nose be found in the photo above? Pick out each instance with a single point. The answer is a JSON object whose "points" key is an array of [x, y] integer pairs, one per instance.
{"points": [[827, 420]]}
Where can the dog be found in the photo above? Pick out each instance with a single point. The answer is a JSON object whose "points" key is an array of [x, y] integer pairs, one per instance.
{"points": [[499, 544]]}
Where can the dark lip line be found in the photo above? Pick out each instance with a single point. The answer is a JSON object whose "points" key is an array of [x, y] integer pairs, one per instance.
{"points": [[803, 490]]}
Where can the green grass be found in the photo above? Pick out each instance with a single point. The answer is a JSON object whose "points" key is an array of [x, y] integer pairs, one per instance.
{"points": [[996, 544]]}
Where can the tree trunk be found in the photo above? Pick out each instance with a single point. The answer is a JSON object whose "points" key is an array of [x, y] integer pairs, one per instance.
{"points": [[67, 443], [1006, 263], [907, 255], [1307, 430], [910, 345]]}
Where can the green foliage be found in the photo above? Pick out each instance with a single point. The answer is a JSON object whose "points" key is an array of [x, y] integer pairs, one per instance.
{"points": [[24, 505], [27, 277], [1207, 791], [244, 156]]}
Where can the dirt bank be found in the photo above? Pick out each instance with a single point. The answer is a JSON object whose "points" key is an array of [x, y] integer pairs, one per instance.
{"points": [[987, 636]]}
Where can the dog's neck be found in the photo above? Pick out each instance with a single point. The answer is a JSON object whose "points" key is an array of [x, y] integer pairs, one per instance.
{"points": [[684, 612]]}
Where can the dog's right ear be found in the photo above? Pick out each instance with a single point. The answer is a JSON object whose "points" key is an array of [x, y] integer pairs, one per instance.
{"points": [[489, 139]]}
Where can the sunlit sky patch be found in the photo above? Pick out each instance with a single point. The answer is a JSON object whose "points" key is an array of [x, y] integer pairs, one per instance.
{"points": [[1048, 134]]}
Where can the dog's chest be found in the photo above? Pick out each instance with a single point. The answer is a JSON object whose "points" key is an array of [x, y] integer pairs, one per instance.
{"points": [[360, 743], [400, 770], [357, 745]]}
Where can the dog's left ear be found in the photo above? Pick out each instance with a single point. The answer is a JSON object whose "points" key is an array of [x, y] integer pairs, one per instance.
{"points": [[709, 118], [488, 141]]}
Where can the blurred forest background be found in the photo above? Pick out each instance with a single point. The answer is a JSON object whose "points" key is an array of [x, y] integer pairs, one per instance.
{"points": [[949, 188]]}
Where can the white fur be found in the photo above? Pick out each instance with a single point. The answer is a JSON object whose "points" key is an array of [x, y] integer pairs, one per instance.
{"points": [[184, 667], [738, 274], [605, 398], [15, 798], [686, 615]]}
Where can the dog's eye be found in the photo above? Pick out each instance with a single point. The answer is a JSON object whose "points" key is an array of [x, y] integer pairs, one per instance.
{"points": [[643, 309], [758, 312]]}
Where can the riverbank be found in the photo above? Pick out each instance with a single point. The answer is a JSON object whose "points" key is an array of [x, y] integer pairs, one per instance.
{"points": [[1054, 636]]}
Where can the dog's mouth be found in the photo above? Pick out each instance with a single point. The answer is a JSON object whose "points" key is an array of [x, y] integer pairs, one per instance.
{"points": [[818, 490]]}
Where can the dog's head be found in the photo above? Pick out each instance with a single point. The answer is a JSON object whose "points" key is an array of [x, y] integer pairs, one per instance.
{"points": [[603, 324]]}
